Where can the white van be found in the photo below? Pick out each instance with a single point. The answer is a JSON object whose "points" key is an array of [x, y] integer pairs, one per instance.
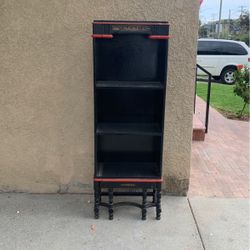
{"points": [[220, 57]]}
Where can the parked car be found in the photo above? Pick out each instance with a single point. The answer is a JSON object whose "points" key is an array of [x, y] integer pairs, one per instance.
{"points": [[222, 57]]}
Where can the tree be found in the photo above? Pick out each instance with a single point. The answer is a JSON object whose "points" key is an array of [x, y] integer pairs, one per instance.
{"points": [[244, 21], [203, 31], [243, 24]]}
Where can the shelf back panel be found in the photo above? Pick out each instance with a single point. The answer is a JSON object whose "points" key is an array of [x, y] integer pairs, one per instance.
{"points": [[131, 106], [128, 148], [130, 57]]}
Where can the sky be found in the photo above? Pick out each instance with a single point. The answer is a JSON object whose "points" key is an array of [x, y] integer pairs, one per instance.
{"points": [[209, 9]]}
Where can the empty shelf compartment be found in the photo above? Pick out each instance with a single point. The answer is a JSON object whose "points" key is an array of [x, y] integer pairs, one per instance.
{"points": [[128, 170]]}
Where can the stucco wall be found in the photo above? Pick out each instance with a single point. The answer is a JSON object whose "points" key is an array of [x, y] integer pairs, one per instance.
{"points": [[46, 94]]}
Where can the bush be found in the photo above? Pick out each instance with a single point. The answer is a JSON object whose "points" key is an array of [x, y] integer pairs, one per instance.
{"points": [[242, 87], [242, 37]]}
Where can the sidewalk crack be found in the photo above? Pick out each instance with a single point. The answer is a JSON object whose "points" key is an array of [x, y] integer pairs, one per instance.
{"points": [[196, 224]]}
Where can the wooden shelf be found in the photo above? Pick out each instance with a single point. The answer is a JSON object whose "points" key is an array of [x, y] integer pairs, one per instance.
{"points": [[129, 84], [127, 170], [129, 128], [129, 104]]}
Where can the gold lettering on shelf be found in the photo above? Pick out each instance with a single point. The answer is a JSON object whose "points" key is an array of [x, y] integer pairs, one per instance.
{"points": [[130, 28], [127, 185]]}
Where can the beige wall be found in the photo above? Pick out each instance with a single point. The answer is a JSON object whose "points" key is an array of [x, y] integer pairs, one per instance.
{"points": [[46, 94]]}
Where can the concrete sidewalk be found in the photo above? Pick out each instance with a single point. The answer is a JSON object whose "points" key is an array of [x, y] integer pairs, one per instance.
{"points": [[66, 222]]}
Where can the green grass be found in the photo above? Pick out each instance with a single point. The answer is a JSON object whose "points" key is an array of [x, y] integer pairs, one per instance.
{"points": [[223, 99]]}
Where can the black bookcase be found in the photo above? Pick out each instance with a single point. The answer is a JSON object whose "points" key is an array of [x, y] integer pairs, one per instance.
{"points": [[130, 65]]}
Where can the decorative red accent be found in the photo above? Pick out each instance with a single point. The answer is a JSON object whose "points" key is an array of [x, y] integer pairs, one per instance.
{"points": [[126, 180], [133, 23], [102, 36], [159, 37], [248, 59]]}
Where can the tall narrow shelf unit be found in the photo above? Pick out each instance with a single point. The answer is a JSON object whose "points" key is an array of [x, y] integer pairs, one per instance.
{"points": [[130, 66]]}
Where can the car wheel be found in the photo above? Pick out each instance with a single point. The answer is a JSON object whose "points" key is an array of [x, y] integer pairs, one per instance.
{"points": [[228, 75]]}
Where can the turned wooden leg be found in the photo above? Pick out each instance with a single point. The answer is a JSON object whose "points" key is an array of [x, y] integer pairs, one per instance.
{"points": [[144, 200], [154, 199], [158, 204], [97, 199], [111, 203]]}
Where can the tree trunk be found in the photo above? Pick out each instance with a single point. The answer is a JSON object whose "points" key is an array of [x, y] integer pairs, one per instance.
{"points": [[241, 112]]}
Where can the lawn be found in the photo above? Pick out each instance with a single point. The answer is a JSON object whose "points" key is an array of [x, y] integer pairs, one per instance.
{"points": [[223, 99]]}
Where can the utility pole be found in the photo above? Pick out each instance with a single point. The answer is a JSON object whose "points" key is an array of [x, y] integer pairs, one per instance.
{"points": [[213, 25], [218, 34], [242, 8], [229, 23]]}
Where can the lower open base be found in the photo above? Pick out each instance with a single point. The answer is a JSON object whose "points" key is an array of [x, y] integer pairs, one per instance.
{"points": [[143, 189]]}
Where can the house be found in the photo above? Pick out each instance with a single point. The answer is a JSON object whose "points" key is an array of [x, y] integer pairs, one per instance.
{"points": [[46, 111], [228, 28]]}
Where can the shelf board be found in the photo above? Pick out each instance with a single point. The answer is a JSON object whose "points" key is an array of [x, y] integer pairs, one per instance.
{"points": [[153, 129], [129, 84], [127, 170]]}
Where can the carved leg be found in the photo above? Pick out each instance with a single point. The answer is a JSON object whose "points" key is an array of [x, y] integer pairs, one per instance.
{"points": [[158, 204], [144, 200], [97, 199], [111, 203], [154, 199]]}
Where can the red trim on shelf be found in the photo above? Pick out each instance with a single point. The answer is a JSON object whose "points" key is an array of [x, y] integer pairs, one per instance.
{"points": [[126, 180], [102, 36], [133, 23], [159, 37]]}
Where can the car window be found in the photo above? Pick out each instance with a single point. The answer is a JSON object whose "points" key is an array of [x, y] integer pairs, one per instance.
{"points": [[233, 49], [209, 48]]}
